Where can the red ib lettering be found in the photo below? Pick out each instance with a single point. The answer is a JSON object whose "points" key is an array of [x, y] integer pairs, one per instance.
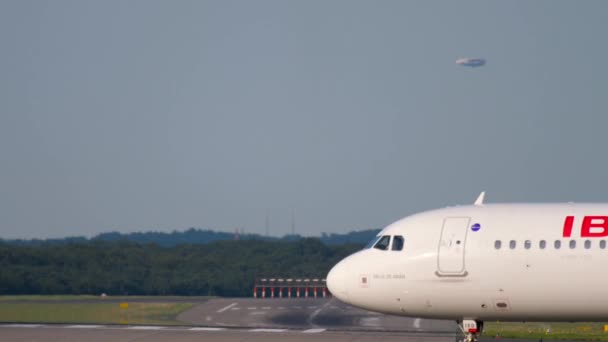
{"points": [[599, 224], [568, 222]]}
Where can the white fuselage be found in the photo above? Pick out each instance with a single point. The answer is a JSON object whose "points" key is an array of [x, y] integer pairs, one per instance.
{"points": [[450, 266]]}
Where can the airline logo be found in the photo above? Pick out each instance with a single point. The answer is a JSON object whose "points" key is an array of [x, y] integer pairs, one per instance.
{"points": [[591, 226]]}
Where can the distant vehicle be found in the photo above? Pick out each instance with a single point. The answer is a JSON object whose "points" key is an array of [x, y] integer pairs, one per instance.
{"points": [[471, 62]]}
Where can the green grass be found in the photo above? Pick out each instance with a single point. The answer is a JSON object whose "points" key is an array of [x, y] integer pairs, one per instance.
{"points": [[47, 298], [98, 313], [547, 331], [67, 298]]}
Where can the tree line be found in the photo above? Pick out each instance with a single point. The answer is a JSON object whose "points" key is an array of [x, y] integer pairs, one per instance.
{"points": [[195, 236], [219, 268]]}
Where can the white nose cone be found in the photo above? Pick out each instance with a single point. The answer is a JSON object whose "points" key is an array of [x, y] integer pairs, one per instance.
{"points": [[337, 282]]}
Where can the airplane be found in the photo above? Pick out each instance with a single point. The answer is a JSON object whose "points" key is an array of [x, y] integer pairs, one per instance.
{"points": [[471, 62], [484, 262]]}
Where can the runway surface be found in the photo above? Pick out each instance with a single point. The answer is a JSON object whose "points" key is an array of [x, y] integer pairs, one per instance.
{"points": [[248, 319], [253, 320], [300, 313], [59, 333]]}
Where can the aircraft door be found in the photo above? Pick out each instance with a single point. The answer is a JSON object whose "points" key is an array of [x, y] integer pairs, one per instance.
{"points": [[450, 255]]}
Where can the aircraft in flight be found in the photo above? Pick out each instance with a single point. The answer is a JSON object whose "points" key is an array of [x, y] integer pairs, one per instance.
{"points": [[471, 62], [474, 263]]}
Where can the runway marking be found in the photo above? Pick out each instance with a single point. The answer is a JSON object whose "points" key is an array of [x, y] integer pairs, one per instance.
{"points": [[266, 308], [417, 323], [83, 326], [370, 321], [226, 324], [258, 313], [313, 315], [252, 308], [235, 309], [207, 329], [297, 307], [21, 325], [312, 307], [267, 330], [192, 330], [227, 307], [281, 308]]}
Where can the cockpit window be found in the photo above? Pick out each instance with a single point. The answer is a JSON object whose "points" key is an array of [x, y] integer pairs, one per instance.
{"points": [[372, 242], [397, 243], [383, 243]]}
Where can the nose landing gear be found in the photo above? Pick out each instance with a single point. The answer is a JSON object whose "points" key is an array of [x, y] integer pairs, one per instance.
{"points": [[471, 330]]}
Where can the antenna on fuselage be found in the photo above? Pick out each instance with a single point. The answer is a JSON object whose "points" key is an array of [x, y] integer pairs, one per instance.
{"points": [[480, 198]]}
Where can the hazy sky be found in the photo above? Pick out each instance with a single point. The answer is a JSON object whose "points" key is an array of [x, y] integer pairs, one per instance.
{"points": [[162, 115]]}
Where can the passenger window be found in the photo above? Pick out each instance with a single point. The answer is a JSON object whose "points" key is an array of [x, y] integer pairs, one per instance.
{"points": [[397, 243], [512, 244], [587, 244], [572, 244], [497, 244], [542, 244], [527, 244], [603, 244], [557, 244], [383, 243]]}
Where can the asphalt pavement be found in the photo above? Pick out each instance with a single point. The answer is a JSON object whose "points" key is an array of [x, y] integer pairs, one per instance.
{"points": [[303, 313]]}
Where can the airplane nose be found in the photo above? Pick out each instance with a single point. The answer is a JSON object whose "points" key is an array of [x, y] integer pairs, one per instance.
{"points": [[337, 281]]}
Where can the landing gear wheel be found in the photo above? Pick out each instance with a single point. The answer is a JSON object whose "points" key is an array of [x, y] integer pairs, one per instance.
{"points": [[471, 330]]}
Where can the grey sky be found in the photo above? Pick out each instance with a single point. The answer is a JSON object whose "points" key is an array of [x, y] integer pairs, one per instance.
{"points": [[148, 115]]}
